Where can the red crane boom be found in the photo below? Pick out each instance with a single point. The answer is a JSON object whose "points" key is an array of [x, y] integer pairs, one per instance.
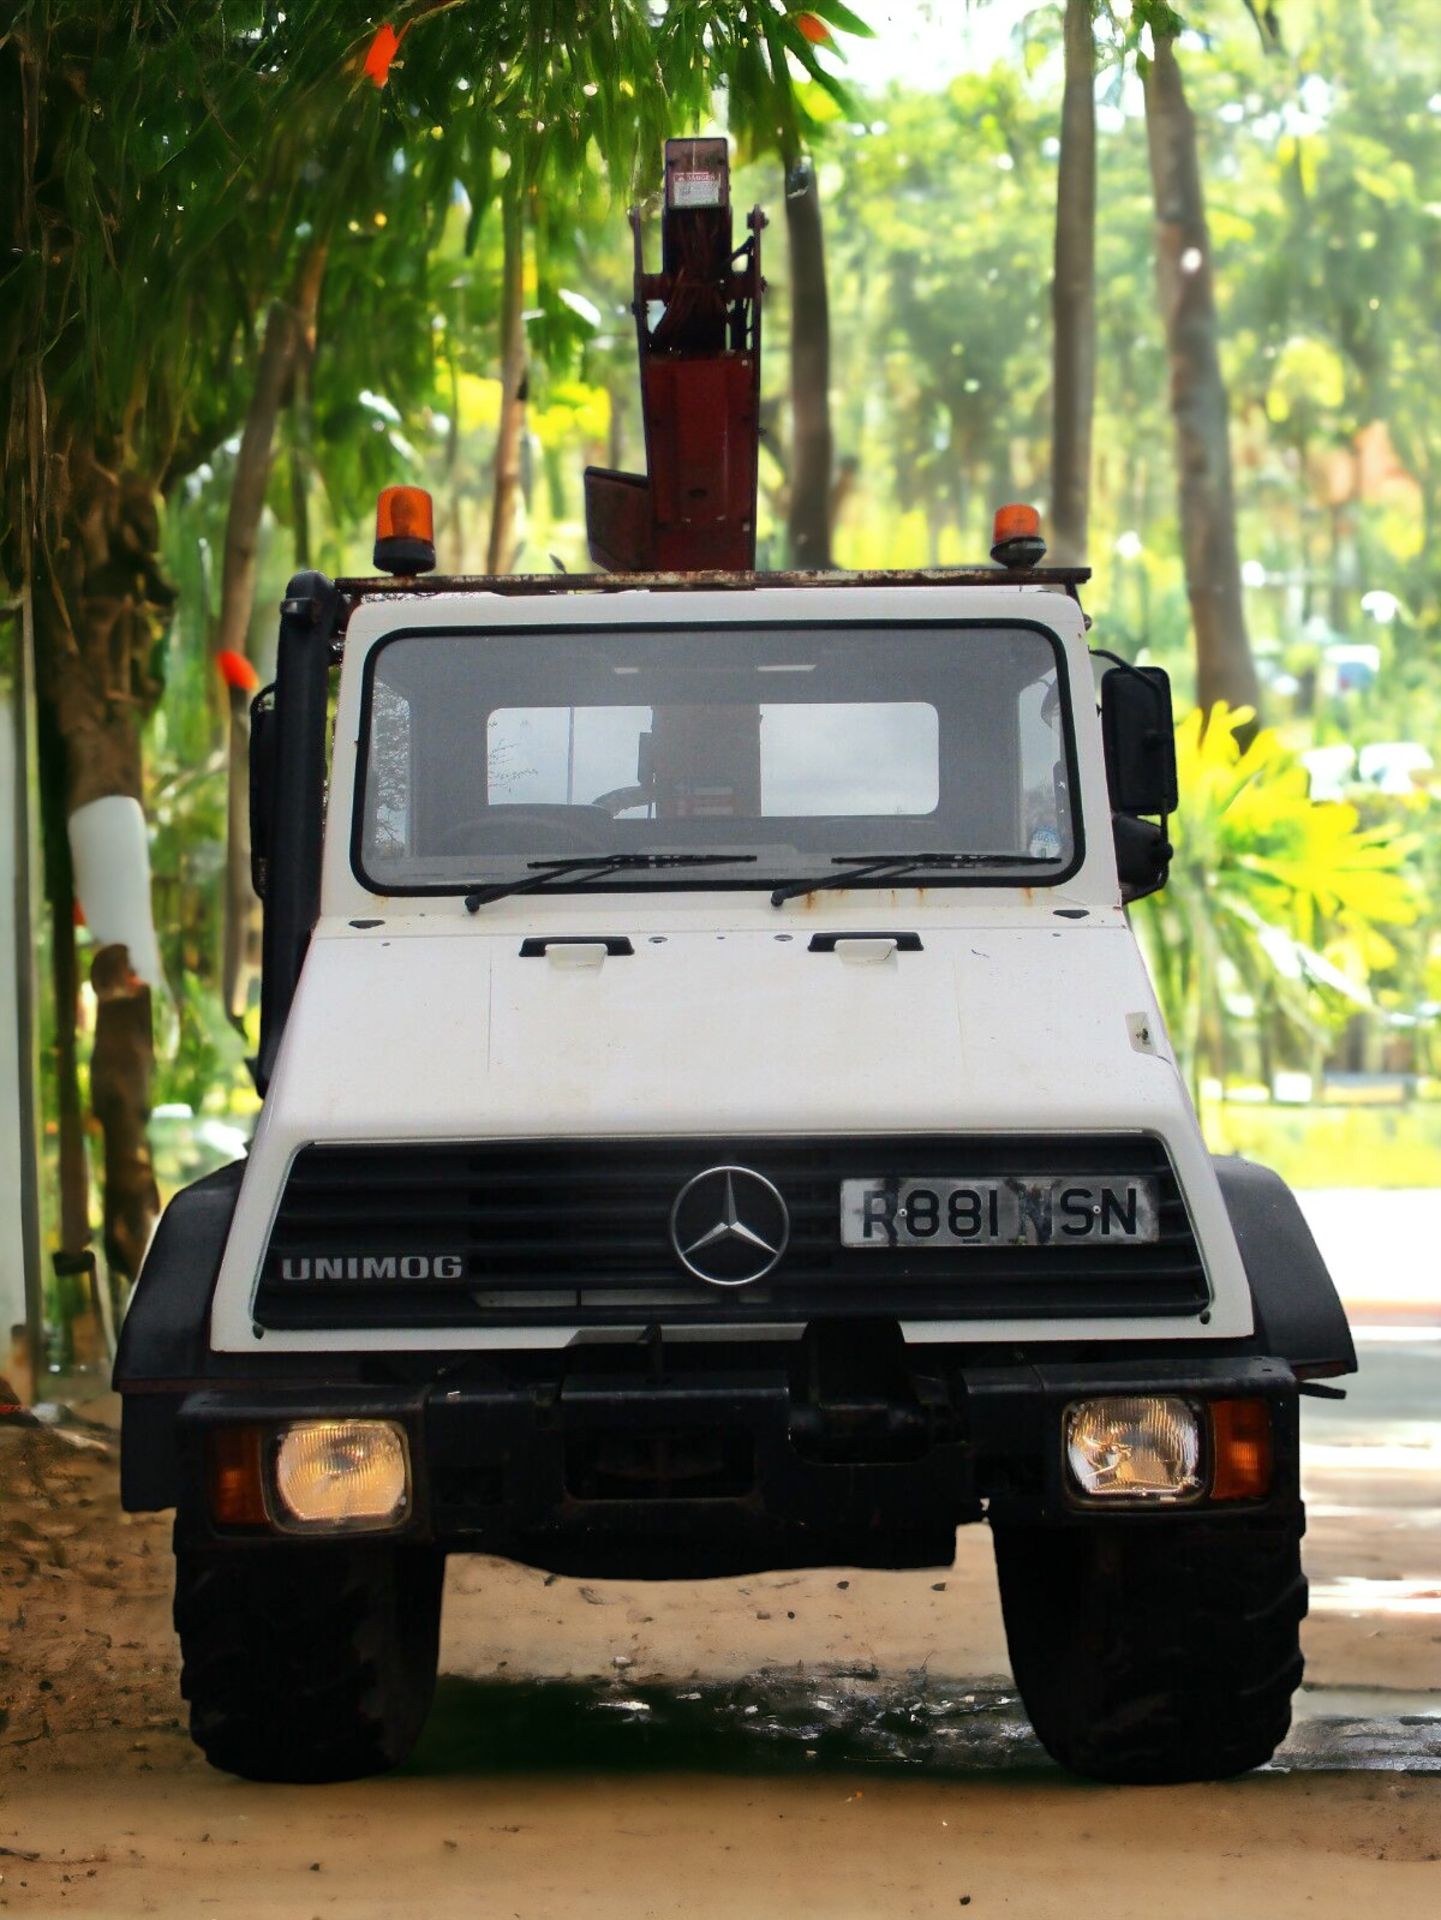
{"points": [[694, 509]]}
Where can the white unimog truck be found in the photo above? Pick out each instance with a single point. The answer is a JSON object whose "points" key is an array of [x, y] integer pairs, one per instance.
{"points": [[717, 1119]]}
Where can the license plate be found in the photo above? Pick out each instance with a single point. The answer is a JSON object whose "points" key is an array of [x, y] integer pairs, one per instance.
{"points": [[1068, 1211]]}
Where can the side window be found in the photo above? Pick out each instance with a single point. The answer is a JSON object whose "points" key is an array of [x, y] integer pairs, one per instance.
{"points": [[1045, 834], [387, 774]]}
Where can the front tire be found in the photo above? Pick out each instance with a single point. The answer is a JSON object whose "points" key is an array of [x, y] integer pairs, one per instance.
{"points": [[307, 1662], [1151, 1653]]}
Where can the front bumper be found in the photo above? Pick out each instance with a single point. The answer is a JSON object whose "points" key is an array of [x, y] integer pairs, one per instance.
{"points": [[712, 1472]]}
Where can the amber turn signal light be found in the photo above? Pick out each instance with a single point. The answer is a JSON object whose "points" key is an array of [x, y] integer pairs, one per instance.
{"points": [[1016, 536], [1241, 1452], [404, 531], [234, 1476]]}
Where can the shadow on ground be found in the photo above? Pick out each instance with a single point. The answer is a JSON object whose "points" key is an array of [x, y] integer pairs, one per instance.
{"points": [[772, 1724], [778, 1724]]}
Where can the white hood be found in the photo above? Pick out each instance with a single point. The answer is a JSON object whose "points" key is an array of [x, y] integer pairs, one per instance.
{"points": [[711, 1031], [702, 1031]]}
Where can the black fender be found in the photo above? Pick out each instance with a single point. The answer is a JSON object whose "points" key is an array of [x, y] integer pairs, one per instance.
{"points": [[163, 1341], [1299, 1316]]}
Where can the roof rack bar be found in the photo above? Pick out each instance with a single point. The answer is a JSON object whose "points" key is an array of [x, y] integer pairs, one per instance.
{"points": [[1065, 578]]}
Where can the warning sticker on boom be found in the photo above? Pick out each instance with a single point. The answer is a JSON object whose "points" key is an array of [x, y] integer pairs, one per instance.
{"points": [[696, 189]]}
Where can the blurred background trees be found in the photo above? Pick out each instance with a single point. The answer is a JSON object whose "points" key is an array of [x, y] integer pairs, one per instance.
{"points": [[262, 262]]}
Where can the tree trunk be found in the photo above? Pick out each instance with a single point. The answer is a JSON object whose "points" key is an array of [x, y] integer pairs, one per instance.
{"points": [[99, 619], [74, 1191], [1224, 667], [289, 339], [302, 467], [120, 1070], [73, 1161], [240, 562], [1073, 294], [455, 519], [809, 519], [500, 551]]}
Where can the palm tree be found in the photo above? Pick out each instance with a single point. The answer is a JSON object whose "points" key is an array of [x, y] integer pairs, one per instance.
{"points": [[809, 511], [1225, 669], [505, 499], [1073, 291], [289, 341], [769, 117]]}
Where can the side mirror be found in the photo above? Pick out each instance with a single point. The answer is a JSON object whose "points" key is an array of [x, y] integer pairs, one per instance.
{"points": [[262, 786], [1139, 730]]}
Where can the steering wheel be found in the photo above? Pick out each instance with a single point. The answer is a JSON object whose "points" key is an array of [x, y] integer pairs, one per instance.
{"points": [[555, 831], [620, 799]]}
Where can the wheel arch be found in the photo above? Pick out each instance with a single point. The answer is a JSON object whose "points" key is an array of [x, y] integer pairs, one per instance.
{"points": [[1299, 1316], [163, 1341]]}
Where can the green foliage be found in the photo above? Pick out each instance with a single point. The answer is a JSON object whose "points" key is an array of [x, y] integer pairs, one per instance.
{"points": [[1156, 18], [1328, 1145], [759, 52], [837, 15], [1278, 908]]}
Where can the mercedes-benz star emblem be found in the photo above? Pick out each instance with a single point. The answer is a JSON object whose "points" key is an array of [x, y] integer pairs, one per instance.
{"points": [[729, 1226]]}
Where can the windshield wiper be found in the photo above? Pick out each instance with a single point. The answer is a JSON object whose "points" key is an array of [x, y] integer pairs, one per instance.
{"points": [[861, 866], [595, 868]]}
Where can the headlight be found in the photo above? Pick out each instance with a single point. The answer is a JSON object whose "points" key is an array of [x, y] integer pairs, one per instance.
{"points": [[343, 1475], [1140, 1447]]}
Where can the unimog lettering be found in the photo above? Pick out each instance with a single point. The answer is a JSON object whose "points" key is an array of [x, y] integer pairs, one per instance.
{"points": [[368, 1266]]}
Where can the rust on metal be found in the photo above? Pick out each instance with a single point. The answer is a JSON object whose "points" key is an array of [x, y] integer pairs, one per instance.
{"points": [[353, 592], [1066, 579]]}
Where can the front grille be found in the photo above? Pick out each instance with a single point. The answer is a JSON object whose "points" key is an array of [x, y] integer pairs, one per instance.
{"points": [[537, 1233]]}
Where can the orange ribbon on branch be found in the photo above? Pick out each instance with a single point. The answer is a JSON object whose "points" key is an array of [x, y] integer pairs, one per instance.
{"points": [[383, 49], [236, 671]]}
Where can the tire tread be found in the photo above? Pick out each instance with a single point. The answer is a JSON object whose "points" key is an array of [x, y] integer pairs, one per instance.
{"points": [[1146, 1656], [306, 1662]]}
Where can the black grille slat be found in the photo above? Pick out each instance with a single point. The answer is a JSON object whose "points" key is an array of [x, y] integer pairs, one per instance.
{"points": [[575, 1232]]}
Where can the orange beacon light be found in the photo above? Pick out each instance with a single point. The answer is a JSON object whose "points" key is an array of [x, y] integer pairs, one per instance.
{"points": [[1016, 538], [404, 531]]}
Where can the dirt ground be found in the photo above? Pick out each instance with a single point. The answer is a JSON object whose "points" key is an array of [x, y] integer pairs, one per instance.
{"points": [[728, 1748]]}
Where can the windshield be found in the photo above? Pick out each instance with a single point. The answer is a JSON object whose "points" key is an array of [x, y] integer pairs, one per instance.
{"points": [[793, 749]]}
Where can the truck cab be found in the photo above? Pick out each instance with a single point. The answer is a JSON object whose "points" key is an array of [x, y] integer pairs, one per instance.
{"points": [[716, 1119]]}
